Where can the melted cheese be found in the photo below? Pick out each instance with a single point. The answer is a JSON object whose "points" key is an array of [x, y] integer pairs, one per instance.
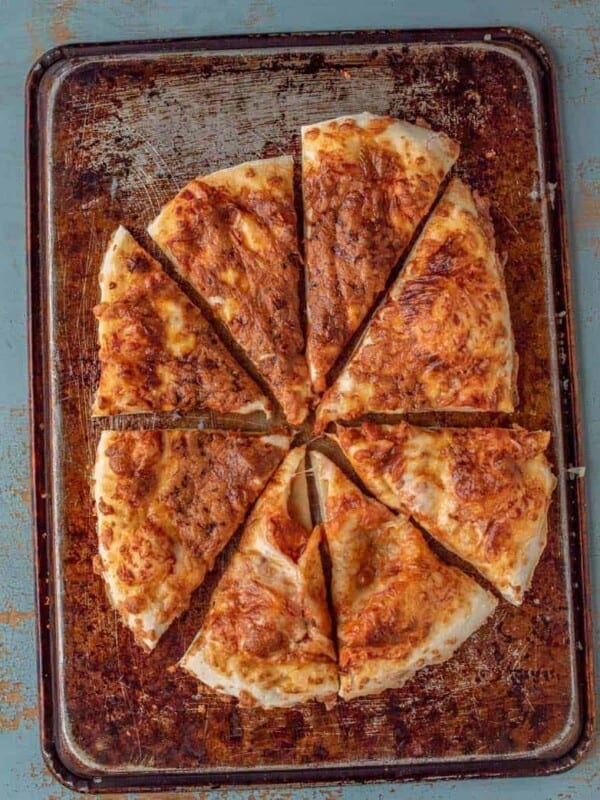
{"points": [[165, 510], [157, 350], [232, 235], [367, 183], [481, 492], [442, 339], [267, 635], [398, 607]]}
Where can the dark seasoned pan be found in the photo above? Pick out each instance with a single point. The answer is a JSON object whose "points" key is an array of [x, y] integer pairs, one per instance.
{"points": [[113, 130]]}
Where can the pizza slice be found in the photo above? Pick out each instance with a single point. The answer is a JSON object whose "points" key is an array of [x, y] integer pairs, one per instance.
{"points": [[483, 493], [167, 503], [267, 636], [233, 236], [367, 183], [442, 339], [398, 607], [157, 350]]}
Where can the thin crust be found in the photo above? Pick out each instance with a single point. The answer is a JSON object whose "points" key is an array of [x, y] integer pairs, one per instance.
{"points": [[398, 607], [167, 502], [483, 493], [157, 350], [442, 339], [367, 183], [267, 636], [233, 236]]}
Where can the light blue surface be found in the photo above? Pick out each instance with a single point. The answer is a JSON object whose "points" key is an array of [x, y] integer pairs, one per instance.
{"points": [[571, 30]]}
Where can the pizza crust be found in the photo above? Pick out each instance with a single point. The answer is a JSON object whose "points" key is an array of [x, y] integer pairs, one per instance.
{"points": [[483, 493], [165, 510], [442, 339], [267, 636], [398, 607], [232, 235], [157, 350], [367, 183], [379, 674], [273, 176]]}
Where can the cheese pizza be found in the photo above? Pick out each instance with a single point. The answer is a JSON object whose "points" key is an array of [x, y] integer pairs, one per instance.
{"points": [[367, 183], [157, 350], [483, 493], [398, 607], [233, 236], [167, 503], [267, 636], [442, 339]]}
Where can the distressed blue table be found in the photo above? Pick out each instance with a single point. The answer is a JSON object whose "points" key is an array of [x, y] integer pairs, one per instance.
{"points": [[571, 30]]}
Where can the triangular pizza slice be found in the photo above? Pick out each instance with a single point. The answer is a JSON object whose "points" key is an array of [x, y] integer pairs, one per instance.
{"points": [[398, 607], [442, 339], [267, 636], [367, 183], [233, 236], [157, 350], [483, 493], [167, 503]]}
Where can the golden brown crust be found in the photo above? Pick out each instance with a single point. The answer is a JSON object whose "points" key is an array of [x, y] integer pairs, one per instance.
{"points": [[398, 606], [367, 183], [442, 339], [482, 492], [232, 235], [260, 618], [157, 350], [267, 636], [414, 591], [167, 503]]}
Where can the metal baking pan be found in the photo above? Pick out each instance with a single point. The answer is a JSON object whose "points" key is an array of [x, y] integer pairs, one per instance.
{"points": [[112, 131]]}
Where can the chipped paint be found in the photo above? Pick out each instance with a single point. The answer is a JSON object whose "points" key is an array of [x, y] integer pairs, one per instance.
{"points": [[259, 12], [60, 23], [17, 702], [578, 4], [18, 708], [13, 711], [587, 209], [14, 618], [36, 47], [48, 24], [592, 59]]}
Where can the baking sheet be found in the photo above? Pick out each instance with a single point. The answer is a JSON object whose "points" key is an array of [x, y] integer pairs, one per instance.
{"points": [[114, 131]]}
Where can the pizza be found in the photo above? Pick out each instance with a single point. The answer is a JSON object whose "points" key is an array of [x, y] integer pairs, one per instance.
{"points": [[442, 339], [436, 336], [267, 636], [367, 183], [233, 236], [157, 350], [167, 502], [398, 607], [483, 493]]}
